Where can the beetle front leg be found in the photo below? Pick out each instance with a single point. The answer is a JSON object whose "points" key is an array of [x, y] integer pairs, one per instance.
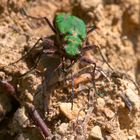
{"points": [[40, 18], [91, 28], [95, 68], [88, 61], [91, 47]]}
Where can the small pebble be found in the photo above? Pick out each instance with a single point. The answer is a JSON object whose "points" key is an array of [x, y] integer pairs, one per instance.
{"points": [[71, 113], [62, 129], [20, 120], [95, 133], [109, 113], [134, 98], [132, 94], [90, 4], [100, 103], [132, 137]]}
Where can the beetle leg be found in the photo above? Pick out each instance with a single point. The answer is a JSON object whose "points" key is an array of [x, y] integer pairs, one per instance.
{"points": [[69, 66], [72, 76], [37, 61], [51, 26], [86, 60], [34, 67], [93, 64], [63, 65], [47, 86], [72, 94], [40, 18], [91, 28], [24, 56], [90, 47]]}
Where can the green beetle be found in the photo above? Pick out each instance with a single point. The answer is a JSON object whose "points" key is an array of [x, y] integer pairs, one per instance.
{"points": [[68, 42], [73, 31]]}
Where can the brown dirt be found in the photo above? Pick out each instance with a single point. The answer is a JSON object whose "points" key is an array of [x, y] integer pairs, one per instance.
{"points": [[94, 116]]}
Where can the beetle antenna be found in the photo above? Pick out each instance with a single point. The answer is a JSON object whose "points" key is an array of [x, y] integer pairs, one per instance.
{"points": [[39, 18]]}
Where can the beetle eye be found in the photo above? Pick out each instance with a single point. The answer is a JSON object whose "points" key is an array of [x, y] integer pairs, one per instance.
{"points": [[69, 33]]}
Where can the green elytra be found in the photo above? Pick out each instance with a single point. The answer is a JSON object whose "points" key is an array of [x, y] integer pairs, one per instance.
{"points": [[73, 30]]}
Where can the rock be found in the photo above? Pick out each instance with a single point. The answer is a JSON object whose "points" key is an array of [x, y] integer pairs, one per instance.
{"points": [[100, 103], [138, 133], [71, 114], [89, 4], [2, 74], [29, 96], [132, 137], [20, 120], [95, 133], [132, 95], [62, 129], [109, 113]]}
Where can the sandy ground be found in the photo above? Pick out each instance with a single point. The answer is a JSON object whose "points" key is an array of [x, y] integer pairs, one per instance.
{"points": [[111, 111]]}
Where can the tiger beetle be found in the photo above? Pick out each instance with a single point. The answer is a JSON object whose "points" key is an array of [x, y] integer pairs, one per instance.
{"points": [[69, 43]]}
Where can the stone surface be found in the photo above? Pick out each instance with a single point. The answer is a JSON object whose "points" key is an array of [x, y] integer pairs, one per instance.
{"points": [[62, 129], [95, 133], [109, 113], [132, 94], [89, 4], [100, 103], [71, 114]]}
